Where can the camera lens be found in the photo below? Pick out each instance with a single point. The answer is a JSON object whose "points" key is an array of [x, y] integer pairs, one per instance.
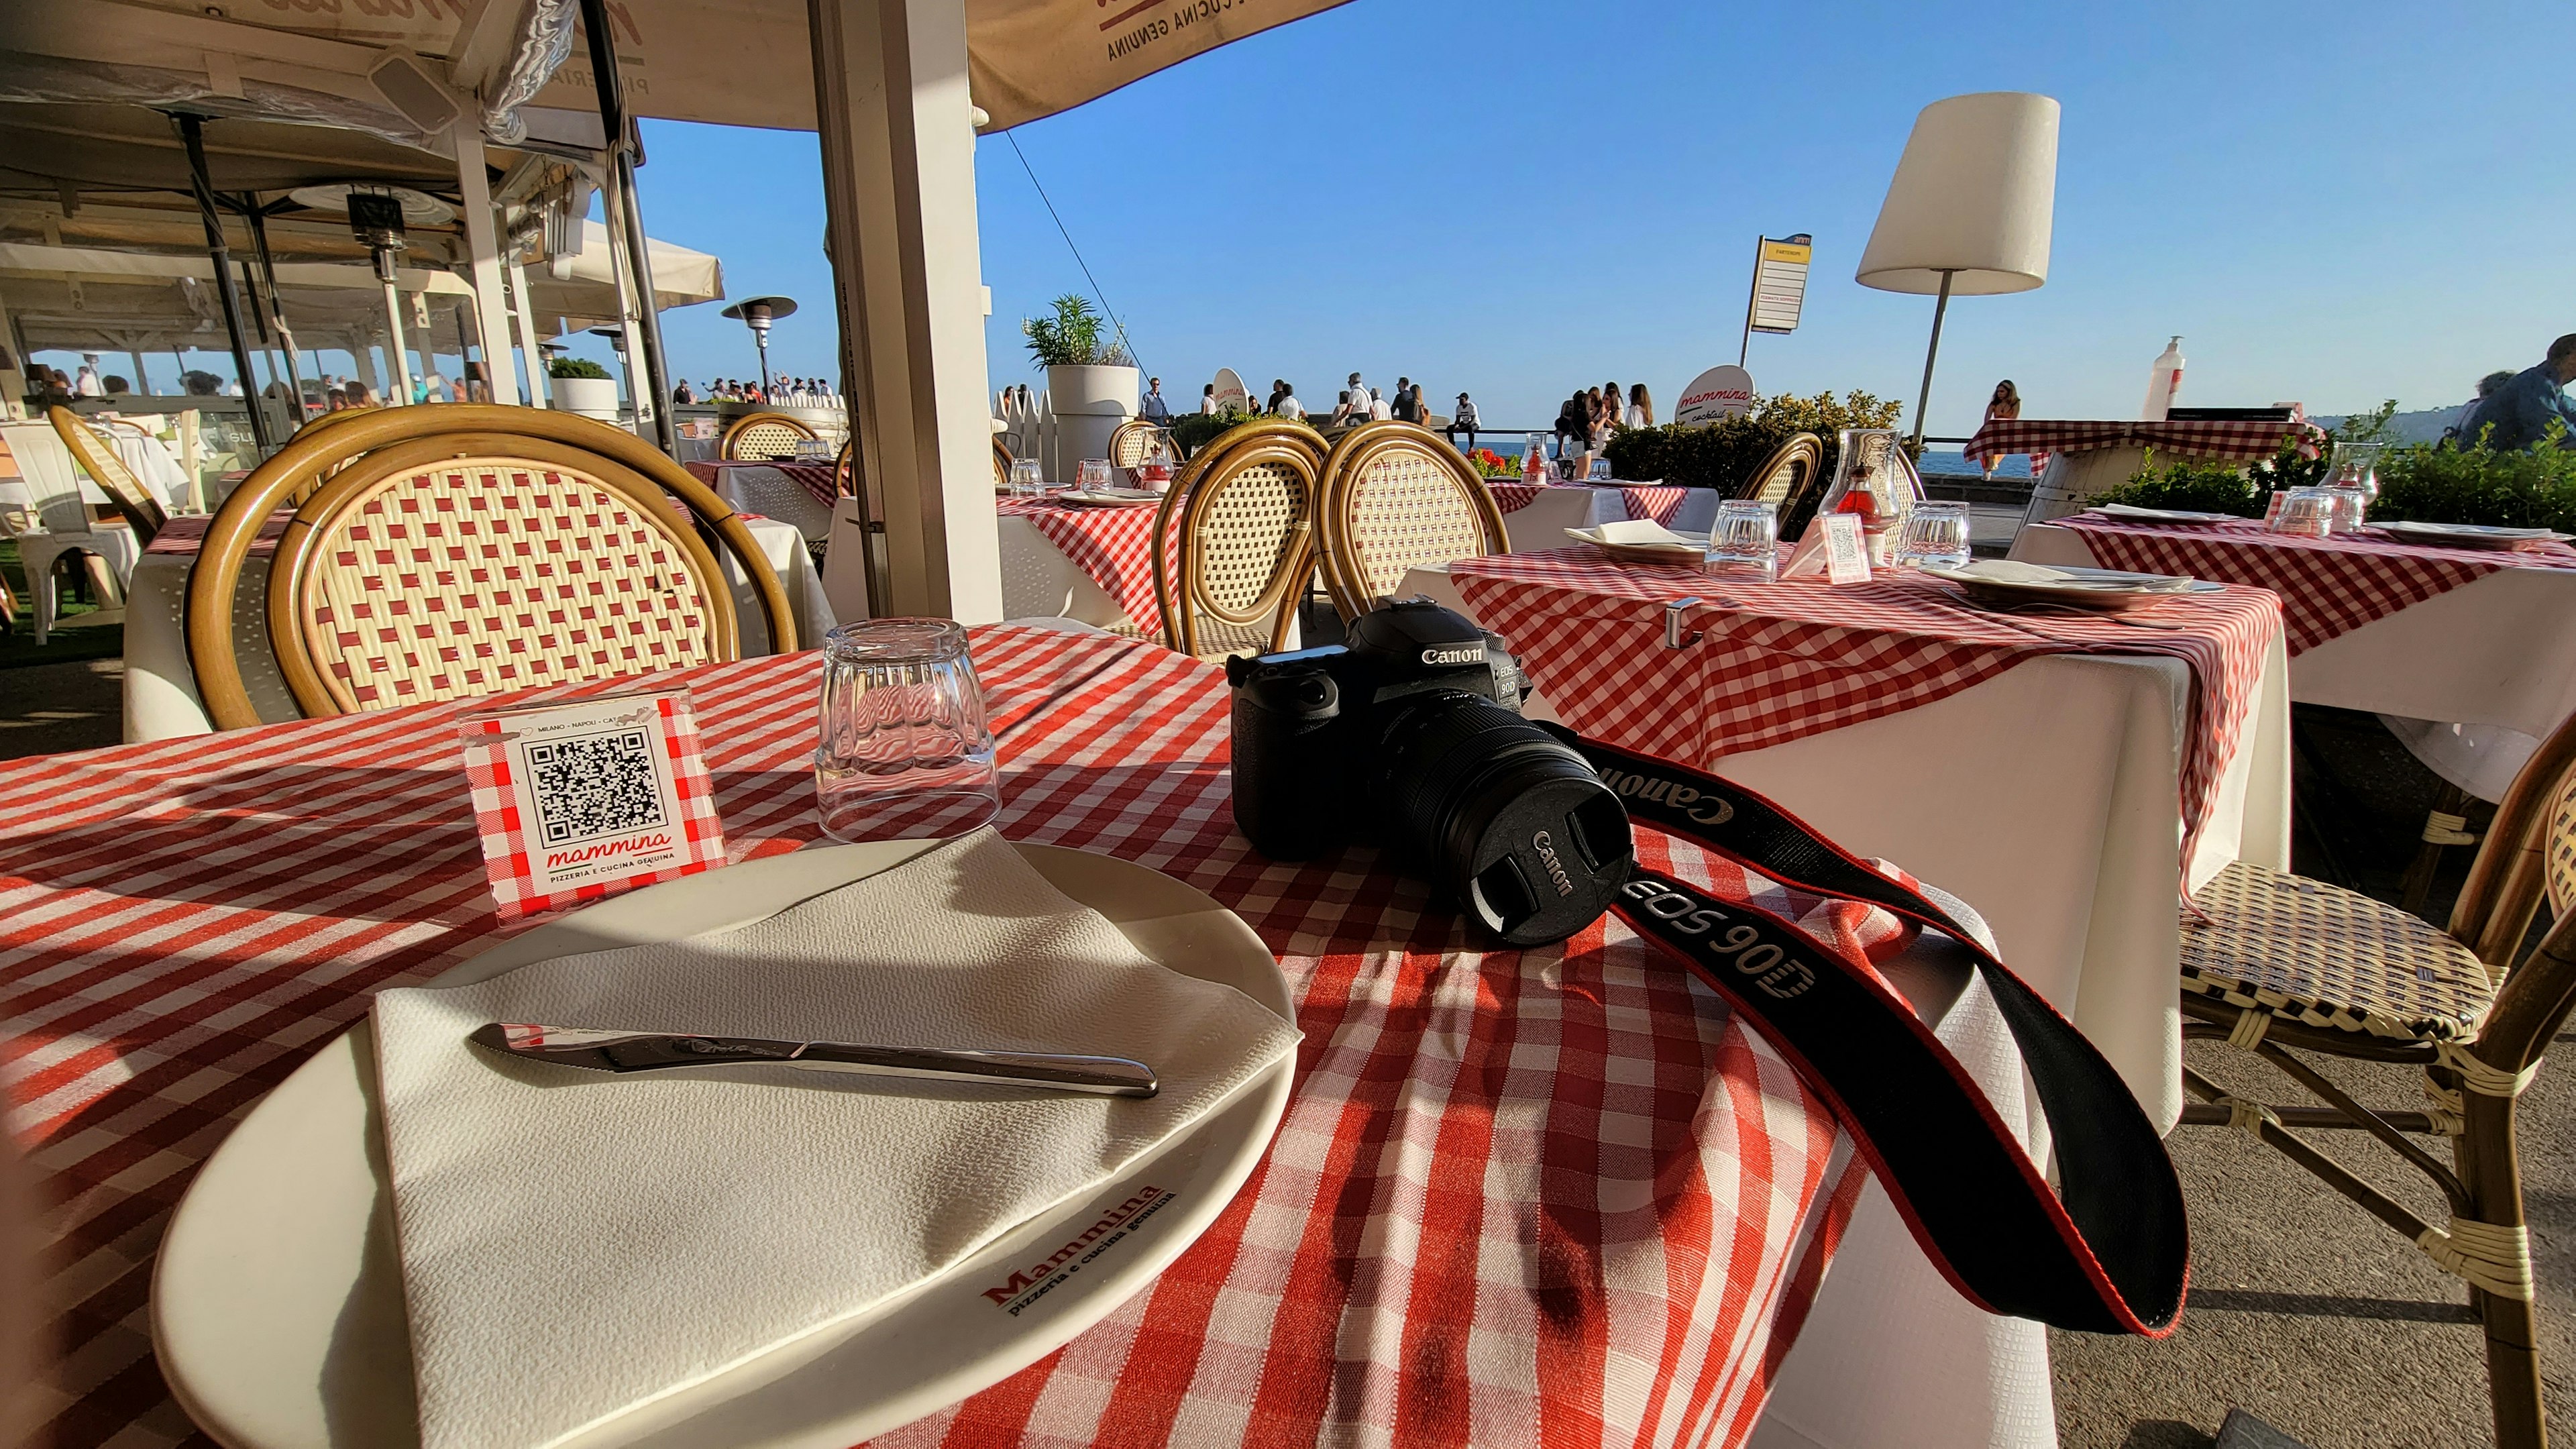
{"points": [[1510, 822]]}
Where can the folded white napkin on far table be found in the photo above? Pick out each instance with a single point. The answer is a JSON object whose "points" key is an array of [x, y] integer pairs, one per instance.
{"points": [[576, 1243]]}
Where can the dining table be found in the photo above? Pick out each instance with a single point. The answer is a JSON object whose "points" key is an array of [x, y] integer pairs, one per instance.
{"points": [[797, 492], [160, 683], [1089, 562], [2470, 654], [1518, 1196], [2072, 459]]}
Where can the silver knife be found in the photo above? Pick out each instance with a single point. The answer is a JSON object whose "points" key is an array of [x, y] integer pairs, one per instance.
{"points": [[634, 1051]]}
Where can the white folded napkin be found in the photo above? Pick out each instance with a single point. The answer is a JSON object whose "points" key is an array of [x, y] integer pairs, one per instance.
{"points": [[1631, 532], [576, 1243]]}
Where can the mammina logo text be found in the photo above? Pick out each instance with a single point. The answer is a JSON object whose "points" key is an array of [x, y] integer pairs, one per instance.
{"points": [[1027, 1285], [608, 850]]}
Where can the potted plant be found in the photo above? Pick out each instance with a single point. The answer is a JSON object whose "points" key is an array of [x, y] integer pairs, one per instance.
{"points": [[582, 386], [1086, 373]]}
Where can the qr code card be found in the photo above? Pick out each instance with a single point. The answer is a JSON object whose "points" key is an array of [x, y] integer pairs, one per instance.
{"points": [[578, 800]]}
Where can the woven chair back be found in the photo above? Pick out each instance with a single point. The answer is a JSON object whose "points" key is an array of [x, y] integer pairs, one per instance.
{"points": [[1002, 461], [46, 471], [1132, 442], [1397, 495], [1244, 552], [1784, 477], [761, 437], [133, 501], [2528, 858], [567, 488], [417, 575]]}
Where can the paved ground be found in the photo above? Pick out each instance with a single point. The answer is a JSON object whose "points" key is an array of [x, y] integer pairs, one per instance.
{"points": [[49, 708]]}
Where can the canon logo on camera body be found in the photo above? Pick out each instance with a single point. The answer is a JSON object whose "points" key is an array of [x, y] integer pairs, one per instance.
{"points": [[1466, 654]]}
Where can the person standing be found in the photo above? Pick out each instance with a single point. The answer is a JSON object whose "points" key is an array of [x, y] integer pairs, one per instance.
{"points": [[1359, 390], [1341, 410], [1285, 404], [1153, 408], [683, 395], [1403, 409], [2004, 406], [1641, 408], [1379, 409], [86, 383], [1207, 400], [2519, 414]]}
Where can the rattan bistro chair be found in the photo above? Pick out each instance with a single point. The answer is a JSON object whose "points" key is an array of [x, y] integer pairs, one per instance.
{"points": [[1396, 495], [1244, 550], [2283, 963], [1002, 461], [134, 502], [1787, 474], [439, 553], [762, 438], [1132, 442]]}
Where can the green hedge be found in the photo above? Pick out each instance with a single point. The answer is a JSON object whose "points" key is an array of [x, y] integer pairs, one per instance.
{"points": [[1193, 431], [1723, 454]]}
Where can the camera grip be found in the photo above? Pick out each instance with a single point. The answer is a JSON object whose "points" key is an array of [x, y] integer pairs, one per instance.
{"points": [[1287, 783]]}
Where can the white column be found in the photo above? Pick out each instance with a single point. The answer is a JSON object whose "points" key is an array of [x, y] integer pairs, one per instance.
{"points": [[899, 183], [483, 249], [523, 317], [13, 378]]}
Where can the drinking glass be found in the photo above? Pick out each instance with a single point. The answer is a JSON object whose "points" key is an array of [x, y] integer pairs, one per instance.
{"points": [[1744, 541], [1025, 479], [1934, 535], [2308, 512], [1601, 469], [1092, 475], [2350, 506], [905, 752]]}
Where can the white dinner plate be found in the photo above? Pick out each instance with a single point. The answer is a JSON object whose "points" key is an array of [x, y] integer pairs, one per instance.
{"points": [[277, 1307], [2111, 590], [1109, 498], [2467, 535], [2163, 515]]}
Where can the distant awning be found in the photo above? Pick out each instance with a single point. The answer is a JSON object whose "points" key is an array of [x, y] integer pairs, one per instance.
{"points": [[96, 297]]}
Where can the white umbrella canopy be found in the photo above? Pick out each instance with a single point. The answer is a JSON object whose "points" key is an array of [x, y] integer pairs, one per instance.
{"points": [[735, 62]]}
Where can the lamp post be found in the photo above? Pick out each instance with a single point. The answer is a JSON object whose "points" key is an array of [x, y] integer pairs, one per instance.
{"points": [[1969, 211], [757, 314], [376, 220]]}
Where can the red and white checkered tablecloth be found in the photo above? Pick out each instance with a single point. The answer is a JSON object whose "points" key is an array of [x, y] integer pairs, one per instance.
{"points": [[1779, 662], [186, 533], [1518, 1197], [1642, 500], [1112, 546], [814, 478], [2327, 586], [1999, 437]]}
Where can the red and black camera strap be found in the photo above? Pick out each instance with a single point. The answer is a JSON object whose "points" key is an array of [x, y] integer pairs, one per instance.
{"points": [[2108, 1254]]}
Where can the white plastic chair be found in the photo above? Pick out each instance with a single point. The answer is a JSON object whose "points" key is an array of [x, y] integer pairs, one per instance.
{"points": [[47, 515]]}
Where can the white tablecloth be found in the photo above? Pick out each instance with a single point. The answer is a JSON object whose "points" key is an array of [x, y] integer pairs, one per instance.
{"points": [[2050, 797], [2497, 656], [161, 689]]}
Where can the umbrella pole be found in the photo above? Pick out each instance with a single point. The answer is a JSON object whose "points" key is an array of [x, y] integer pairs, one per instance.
{"points": [[656, 393], [258, 218], [192, 135], [527, 321]]}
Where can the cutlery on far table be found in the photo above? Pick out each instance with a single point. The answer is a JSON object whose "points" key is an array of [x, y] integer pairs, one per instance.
{"points": [[633, 1051]]}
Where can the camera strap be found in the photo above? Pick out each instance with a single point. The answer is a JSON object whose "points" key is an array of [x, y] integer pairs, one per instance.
{"points": [[2108, 1254]]}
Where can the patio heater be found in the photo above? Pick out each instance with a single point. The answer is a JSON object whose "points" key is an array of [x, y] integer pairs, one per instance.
{"points": [[616, 335], [376, 219], [1969, 210], [757, 314]]}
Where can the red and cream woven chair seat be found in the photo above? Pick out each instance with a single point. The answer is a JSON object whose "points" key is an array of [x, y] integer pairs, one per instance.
{"points": [[1397, 495], [438, 561], [763, 437]]}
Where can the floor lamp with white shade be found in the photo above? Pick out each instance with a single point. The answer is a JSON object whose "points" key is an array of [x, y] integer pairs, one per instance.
{"points": [[1969, 211]]}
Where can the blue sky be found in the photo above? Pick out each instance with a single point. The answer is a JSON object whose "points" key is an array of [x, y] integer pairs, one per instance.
{"points": [[2331, 203]]}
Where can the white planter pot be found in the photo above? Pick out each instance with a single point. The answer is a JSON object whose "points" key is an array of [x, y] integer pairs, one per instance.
{"points": [[592, 397], [1092, 391]]}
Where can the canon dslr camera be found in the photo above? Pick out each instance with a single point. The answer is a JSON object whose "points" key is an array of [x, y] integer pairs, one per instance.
{"points": [[1411, 738]]}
